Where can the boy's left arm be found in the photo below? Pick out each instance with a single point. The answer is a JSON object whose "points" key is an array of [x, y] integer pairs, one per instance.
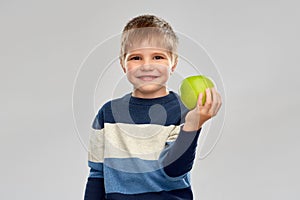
{"points": [[180, 156]]}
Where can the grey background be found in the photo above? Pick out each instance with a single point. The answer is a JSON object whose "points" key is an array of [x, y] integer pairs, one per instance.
{"points": [[255, 45]]}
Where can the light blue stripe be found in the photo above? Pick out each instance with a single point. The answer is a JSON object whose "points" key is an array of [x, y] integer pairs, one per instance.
{"points": [[124, 182], [132, 165], [96, 169]]}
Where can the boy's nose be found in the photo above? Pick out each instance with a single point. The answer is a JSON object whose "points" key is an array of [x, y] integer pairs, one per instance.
{"points": [[147, 65]]}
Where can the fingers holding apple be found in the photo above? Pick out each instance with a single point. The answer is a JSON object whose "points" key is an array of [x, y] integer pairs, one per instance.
{"points": [[216, 102], [200, 96], [211, 106]]}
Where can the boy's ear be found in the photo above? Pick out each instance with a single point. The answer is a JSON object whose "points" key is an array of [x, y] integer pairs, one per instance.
{"points": [[122, 65], [174, 65]]}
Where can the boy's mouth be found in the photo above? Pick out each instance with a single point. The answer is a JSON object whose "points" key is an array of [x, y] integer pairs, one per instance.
{"points": [[147, 77]]}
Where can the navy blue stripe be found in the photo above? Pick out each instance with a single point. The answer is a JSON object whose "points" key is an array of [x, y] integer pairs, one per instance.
{"points": [[94, 189], [166, 111], [181, 194]]}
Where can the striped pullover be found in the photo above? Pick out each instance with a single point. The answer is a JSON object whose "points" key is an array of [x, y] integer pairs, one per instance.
{"points": [[138, 150]]}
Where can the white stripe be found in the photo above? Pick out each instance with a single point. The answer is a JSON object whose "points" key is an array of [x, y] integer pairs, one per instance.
{"points": [[96, 146], [144, 141]]}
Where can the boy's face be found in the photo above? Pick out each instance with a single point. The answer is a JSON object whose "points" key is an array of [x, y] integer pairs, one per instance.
{"points": [[148, 69]]}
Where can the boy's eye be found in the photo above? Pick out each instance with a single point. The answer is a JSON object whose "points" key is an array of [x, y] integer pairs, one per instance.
{"points": [[135, 58], [158, 57]]}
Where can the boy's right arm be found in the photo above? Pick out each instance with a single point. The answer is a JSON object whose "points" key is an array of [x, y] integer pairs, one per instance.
{"points": [[95, 184]]}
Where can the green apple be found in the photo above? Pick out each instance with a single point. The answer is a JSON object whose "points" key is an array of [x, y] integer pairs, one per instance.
{"points": [[191, 87]]}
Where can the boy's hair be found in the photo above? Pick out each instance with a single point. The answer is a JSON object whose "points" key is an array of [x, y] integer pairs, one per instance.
{"points": [[152, 29]]}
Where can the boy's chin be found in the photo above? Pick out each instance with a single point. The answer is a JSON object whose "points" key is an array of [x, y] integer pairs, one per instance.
{"points": [[151, 90], [149, 87]]}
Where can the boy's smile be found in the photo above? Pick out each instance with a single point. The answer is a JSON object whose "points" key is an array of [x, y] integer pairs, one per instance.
{"points": [[148, 70], [147, 77]]}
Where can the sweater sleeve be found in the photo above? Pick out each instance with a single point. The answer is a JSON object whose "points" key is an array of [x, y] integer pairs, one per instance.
{"points": [[178, 158], [94, 189], [95, 184]]}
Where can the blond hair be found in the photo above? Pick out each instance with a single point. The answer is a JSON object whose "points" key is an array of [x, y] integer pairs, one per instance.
{"points": [[151, 29]]}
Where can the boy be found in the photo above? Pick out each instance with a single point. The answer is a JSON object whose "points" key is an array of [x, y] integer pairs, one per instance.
{"points": [[143, 144]]}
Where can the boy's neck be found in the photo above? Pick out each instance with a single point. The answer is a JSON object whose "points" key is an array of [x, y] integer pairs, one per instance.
{"points": [[152, 95]]}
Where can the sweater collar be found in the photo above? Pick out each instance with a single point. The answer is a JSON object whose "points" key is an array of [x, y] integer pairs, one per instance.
{"points": [[158, 100]]}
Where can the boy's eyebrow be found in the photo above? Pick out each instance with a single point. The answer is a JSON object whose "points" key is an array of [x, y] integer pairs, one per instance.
{"points": [[160, 52], [134, 48], [155, 50]]}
